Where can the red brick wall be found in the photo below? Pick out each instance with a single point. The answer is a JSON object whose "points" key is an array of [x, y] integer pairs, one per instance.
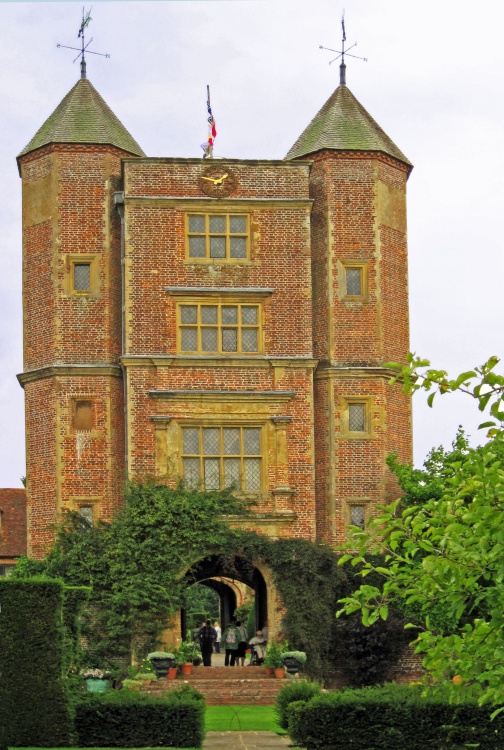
{"points": [[359, 216], [68, 212]]}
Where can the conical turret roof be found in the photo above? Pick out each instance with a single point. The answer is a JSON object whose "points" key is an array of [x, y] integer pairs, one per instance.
{"points": [[83, 116], [344, 125]]}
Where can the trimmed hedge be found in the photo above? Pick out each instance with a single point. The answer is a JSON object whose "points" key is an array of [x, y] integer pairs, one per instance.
{"points": [[34, 709], [129, 719], [297, 690], [393, 716]]}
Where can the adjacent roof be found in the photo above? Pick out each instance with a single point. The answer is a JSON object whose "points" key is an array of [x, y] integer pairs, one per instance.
{"points": [[12, 522], [83, 117], [344, 125]]}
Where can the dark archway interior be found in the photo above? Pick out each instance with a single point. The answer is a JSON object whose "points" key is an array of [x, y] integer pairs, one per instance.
{"points": [[211, 570]]}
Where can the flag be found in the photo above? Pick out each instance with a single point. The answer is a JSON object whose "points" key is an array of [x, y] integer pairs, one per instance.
{"points": [[212, 130]]}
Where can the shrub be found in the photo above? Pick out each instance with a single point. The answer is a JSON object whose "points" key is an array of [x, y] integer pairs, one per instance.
{"points": [[298, 690], [392, 716], [34, 706], [125, 719]]}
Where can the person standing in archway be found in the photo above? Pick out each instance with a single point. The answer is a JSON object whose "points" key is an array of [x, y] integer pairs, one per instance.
{"points": [[206, 638], [242, 645], [218, 639], [231, 639]]}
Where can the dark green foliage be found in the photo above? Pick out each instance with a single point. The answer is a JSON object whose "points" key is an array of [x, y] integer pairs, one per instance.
{"points": [[134, 567], [201, 602], [297, 690], [75, 598], [133, 564], [365, 655], [34, 708], [127, 719], [392, 717]]}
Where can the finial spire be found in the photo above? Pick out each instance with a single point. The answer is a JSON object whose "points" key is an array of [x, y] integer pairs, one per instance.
{"points": [[343, 52], [86, 19]]}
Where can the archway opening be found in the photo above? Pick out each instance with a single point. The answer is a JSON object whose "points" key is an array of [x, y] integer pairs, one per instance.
{"points": [[235, 582]]}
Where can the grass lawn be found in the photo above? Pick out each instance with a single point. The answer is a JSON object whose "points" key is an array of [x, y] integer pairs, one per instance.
{"points": [[228, 719], [241, 718]]}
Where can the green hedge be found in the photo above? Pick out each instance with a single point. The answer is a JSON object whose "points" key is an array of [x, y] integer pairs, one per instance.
{"points": [[128, 719], [34, 707], [296, 690], [392, 717]]}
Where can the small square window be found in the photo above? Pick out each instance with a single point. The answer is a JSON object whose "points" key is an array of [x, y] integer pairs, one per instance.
{"points": [[82, 277], [354, 281], [357, 515], [86, 513], [357, 417]]}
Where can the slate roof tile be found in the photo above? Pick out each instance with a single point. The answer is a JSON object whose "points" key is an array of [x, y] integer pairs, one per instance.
{"points": [[344, 125], [83, 116]]}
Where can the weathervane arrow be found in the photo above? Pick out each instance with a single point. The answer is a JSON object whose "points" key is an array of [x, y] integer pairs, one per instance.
{"points": [[343, 52], [86, 19]]}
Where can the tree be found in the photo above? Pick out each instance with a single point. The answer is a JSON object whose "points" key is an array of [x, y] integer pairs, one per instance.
{"points": [[443, 563]]}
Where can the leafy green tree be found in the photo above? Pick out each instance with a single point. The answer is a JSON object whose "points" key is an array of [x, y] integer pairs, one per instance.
{"points": [[135, 564], [443, 559]]}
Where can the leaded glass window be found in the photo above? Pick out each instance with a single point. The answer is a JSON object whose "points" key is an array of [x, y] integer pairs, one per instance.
{"points": [[357, 515], [354, 282], [82, 277], [218, 457], [218, 237], [219, 328], [357, 417]]}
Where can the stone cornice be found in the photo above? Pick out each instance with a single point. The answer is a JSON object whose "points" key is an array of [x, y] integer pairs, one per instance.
{"points": [[162, 360], [51, 371], [331, 372], [220, 396], [212, 291], [193, 204]]}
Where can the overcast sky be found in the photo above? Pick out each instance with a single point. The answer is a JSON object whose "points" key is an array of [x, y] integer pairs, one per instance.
{"points": [[433, 81]]}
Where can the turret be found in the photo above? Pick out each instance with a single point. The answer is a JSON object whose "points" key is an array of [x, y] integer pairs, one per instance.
{"points": [[360, 308], [72, 312]]}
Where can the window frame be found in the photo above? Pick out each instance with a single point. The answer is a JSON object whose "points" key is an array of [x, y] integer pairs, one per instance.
{"points": [[76, 260], [362, 267], [346, 432], [227, 234], [219, 303], [221, 425], [365, 502]]}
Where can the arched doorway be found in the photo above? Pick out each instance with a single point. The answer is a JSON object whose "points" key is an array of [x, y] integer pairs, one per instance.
{"points": [[229, 577]]}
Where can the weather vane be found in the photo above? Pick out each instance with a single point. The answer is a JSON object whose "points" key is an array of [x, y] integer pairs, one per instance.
{"points": [[343, 52], [86, 19]]}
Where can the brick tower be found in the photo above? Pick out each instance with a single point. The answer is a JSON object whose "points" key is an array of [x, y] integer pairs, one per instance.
{"points": [[222, 321], [72, 313], [360, 309]]}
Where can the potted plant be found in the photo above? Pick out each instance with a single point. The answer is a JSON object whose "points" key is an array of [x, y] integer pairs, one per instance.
{"points": [[162, 662], [129, 684], [96, 679], [184, 656], [273, 660], [293, 661]]}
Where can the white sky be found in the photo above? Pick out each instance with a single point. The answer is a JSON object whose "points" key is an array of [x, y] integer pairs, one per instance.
{"points": [[433, 81]]}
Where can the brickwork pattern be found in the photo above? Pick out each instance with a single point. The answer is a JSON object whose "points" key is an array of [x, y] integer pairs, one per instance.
{"points": [[12, 523]]}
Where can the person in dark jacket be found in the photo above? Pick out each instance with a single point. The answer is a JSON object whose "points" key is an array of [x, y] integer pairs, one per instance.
{"points": [[206, 637]]}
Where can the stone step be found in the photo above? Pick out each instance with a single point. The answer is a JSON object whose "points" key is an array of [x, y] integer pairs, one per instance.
{"points": [[241, 691], [226, 673]]}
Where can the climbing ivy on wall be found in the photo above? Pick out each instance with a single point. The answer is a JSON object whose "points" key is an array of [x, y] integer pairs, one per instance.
{"points": [[136, 565]]}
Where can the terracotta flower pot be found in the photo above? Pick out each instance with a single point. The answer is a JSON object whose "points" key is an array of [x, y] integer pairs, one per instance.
{"points": [[279, 674], [172, 673], [186, 668], [269, 671]]}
